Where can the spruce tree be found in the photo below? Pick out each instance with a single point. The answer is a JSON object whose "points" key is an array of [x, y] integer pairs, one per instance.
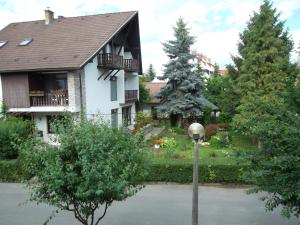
{"points": [[216, 70], [180, 97], [264, 50], [151, 72], [264, 80]]}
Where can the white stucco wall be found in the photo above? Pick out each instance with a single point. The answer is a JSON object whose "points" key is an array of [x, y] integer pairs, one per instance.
{"points": [[97, 92], [74, 91], [40, 121], [131, 81]]}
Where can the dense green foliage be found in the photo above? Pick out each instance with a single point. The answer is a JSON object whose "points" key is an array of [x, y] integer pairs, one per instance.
{"points": [[144, 95], [12, 171], [221, 91], [142, 119], [180, 97], [182, 172], [151, 74], [13, 131], [266, 112], [216, 70], [94, 165]]}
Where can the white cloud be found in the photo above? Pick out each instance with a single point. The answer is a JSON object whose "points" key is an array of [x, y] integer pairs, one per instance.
{"points": [[157, 19]]}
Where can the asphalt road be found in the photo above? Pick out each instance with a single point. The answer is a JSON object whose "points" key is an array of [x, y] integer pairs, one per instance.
{"points": [[154, 205]]}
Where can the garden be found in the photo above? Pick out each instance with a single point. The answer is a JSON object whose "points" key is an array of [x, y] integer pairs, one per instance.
{"points": [[222, 156]]}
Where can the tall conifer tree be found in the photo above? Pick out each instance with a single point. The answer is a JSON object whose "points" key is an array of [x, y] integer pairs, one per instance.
{"points": [[265, 78], [180, 97]]}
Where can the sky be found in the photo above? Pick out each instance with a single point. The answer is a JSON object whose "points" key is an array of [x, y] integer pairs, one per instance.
{"points": [[216, 24]]}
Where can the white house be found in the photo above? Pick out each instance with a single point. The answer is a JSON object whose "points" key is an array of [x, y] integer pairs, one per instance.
{"points": [[87, 64], [207, 65]]}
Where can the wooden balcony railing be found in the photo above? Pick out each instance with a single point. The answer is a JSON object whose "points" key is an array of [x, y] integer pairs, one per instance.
{"points": [[49, 99], [131, 65], [131, 95], [110, 61]]}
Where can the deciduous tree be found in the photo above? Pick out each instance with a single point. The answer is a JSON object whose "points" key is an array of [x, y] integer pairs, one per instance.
{"points": [[93, 165]]}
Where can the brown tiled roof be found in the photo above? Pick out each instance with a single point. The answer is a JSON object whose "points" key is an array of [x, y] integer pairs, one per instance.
{"points": [[223, 72], [154, 88], [66, 43]]}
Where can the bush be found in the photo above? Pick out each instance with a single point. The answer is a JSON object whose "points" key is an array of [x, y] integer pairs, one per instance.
{"points": [[168, 147], [182, 172], [213, 154], [11, 171], [210, 130], [142, 119], [221, 140], [222, 126], [12, 132]]}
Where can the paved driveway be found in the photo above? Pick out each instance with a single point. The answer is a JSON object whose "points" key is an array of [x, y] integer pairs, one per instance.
{"points": [[154, 205]]}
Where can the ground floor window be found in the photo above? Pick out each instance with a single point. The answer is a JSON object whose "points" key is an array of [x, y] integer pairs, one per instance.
{"points": [[126, 115], [114, 118]]}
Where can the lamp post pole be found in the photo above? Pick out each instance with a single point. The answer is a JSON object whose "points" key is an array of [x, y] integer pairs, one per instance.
{"points": [[195, 184], [196, 132]]}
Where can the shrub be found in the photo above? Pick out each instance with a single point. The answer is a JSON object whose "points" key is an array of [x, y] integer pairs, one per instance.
{"points": [[142, 119], [12, 132], [11, 171], [210, 130], [212, 154], [221, 140], [222, 126], [168, 146]]}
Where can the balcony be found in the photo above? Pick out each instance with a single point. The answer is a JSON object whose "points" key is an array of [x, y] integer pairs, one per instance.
{"points": [[131, 95], [110, 61], [54, 98], [131, 65]]}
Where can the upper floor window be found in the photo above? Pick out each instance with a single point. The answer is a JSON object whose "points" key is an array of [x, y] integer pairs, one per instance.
{"points": [[25, 42], [113, 89], [2, 43]]}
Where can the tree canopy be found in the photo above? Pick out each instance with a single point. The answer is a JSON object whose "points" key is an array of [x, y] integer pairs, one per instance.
{"points": [[94, 165], [265, 78]]}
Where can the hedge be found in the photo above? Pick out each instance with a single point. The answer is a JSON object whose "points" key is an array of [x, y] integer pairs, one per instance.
{"points": [[11, 171], [178, 171], [182, 172]]}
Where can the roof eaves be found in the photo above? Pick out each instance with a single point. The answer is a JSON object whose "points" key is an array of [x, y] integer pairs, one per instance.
{"points": [[41, 69], [123, 25]]}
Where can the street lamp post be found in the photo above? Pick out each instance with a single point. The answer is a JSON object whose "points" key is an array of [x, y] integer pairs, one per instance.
{"points": [[196, 131]]}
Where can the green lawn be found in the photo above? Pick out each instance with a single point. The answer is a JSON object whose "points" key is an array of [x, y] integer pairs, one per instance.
{"points": [[208, 155]]}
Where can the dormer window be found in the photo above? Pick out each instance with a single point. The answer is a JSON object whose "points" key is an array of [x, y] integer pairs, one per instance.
{"points": [[25, 42], [2, 43]]}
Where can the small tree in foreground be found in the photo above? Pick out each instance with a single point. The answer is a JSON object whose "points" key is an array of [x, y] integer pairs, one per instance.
{"points": [[93, 166]]}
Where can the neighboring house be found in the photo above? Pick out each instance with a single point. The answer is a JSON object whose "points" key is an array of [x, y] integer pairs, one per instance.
{"points": [[87, 64], [223, 72], [207, 65], [154, 88]]}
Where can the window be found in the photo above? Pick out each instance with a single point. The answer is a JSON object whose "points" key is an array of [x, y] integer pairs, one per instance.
{"points": [[25, 42], [2, 43], [114, 118], [126, 115], [113, 89]]}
